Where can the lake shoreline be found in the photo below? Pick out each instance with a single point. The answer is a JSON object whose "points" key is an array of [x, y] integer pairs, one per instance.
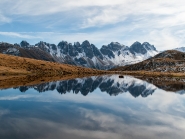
{"points": [[32, 79]]}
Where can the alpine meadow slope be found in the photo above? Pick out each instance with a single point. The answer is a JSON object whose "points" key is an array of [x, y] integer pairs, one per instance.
{"points": [[14, 65], [167, 61]]}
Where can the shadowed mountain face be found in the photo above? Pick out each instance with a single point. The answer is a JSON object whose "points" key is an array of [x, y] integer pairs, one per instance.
{"points": [[24, 51], [85, 54], [109, 84]]}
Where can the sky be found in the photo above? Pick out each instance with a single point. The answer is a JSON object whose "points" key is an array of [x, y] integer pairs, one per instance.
{"points": [[159, 22]]}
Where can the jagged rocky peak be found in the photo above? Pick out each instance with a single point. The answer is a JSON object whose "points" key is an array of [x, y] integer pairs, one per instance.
{"points": [[115, 46], [7, 48], [76, 44], [78, 47], [43, 46], [105, 50], [86, 42], [72, 50], [96, 52], [24, 44], [137, 47], [87, 49], [110, 49], [148, 46], [53, 47], [16, 44], [63, 45]]}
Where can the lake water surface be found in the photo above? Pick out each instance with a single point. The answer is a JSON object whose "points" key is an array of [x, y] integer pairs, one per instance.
{"points": [[104, 107]]}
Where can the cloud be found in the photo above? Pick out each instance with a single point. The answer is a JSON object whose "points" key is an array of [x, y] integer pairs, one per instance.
{"points": [[4, 19], [165, 39], [4, 112], [126, 21], [162, 39], [18, 35], [18, 97], [115, 10], [54, 37], [103, 17]]}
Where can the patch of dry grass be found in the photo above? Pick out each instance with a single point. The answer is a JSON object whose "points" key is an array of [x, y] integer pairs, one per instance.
{"points": [[14, 65]]}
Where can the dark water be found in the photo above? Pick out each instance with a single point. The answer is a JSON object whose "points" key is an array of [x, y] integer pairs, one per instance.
{"points": [[104, 107]]}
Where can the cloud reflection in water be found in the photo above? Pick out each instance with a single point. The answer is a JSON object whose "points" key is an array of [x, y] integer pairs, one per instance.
{"points": [[97, 115]]}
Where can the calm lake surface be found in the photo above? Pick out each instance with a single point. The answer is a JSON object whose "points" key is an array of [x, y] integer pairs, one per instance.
{"points": [[105, 107]]}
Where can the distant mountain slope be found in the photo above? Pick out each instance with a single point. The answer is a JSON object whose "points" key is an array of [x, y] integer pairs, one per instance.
{"points": [[31, 52], [17, 65], [167, 61], [86, 54]]}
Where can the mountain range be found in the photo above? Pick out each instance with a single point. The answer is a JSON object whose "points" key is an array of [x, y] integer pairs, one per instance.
{"points": [[85, 54]]}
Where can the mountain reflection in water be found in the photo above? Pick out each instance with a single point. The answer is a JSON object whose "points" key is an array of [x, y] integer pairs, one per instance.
{"points": [[110, 84], [99, 115]]}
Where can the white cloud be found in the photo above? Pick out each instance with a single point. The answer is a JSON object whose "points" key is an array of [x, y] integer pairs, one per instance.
{"points": [[18, 35], [164, 39], [159, 22], [4, 19], [18, 97]]}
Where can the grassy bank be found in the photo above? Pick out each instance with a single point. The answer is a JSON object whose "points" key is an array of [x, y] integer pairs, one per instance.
{"points": [[27, 80], [151, 74], [13, 65]]}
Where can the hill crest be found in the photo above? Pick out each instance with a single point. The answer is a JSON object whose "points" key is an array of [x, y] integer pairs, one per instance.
{"points": [[167, 61]]}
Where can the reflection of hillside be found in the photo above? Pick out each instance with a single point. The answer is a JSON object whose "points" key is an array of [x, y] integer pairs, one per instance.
{"points": [[27, 80], [167, 83], [109, 84]]}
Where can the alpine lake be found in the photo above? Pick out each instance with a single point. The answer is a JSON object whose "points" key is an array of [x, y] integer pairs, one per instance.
{"points": [[97, 107]]}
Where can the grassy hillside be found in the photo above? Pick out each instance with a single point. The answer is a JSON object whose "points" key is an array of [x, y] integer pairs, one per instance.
{"points": [[168, 61], [14, 65]]}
